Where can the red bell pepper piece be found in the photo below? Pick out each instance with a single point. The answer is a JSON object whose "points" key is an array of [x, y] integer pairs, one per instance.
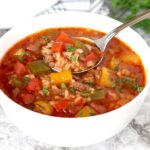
{"points": [[60, 105], [91, 57], [58, 47], [34, 85], [64, 37]]}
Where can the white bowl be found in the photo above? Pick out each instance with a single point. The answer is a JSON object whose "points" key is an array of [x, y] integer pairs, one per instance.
{"points": [[74, 131]]}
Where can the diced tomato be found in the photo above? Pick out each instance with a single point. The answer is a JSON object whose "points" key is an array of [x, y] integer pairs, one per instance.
{"points": [[80, 103], [58, 47], [76, 106], [28, 98], [28, 59], [64, 37], [91, 57], [67, 107], [99, 108], [32, 47], [60, 105], [19, 68], [112, 95], [62, 114], [34, 85], [74, 109]]}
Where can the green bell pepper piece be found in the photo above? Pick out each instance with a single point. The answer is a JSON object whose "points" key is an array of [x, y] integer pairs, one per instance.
{"points": [[15, 82], [98, 95], [38, 67]]}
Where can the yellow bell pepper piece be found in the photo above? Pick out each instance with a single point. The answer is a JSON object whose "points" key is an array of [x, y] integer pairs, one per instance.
{"points": [[43, 107], [85, 112], [114, 62], [130, 58], [61, 77], [106, 78]]}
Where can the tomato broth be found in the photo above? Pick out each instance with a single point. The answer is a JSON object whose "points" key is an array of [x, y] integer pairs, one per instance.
{"points": [[27, 78]]}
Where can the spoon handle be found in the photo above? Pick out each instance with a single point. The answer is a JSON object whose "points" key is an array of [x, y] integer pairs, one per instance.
{"points": [[102, 42]]}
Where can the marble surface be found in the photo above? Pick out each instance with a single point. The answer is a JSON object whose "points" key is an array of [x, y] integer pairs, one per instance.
{"points": [[135, 136]]}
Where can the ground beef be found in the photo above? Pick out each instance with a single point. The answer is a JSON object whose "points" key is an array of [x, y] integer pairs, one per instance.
{"points": [[55, 90], [79, 86]]}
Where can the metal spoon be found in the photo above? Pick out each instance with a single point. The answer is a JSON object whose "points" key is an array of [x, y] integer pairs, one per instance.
{"points": [[101, 43]]}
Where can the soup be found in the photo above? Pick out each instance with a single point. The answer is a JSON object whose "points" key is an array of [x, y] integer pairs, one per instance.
{"points": [[27, 78]]}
